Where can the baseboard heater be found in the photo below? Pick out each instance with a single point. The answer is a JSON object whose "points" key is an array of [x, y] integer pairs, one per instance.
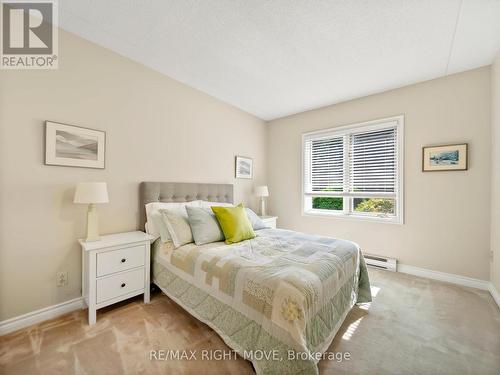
{"points": [[384, 263]]}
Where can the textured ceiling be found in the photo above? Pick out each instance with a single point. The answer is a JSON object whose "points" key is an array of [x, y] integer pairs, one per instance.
{"points": [[273, 58]]}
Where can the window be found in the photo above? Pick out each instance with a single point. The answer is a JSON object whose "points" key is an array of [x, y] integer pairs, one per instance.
{"points": [[355, 171]]}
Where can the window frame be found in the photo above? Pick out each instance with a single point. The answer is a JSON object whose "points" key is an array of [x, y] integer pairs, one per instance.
{"points": [[347, 212]]}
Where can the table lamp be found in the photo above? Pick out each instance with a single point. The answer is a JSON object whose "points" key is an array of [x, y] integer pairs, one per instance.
{"points": [[262, 192], [91, 193]]}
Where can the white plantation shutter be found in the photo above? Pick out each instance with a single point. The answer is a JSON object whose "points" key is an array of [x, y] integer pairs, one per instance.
{"points": [[325, 164], [355, 161], [373, 163]]}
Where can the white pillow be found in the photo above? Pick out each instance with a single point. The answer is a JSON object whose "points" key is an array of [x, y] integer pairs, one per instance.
{"points": [[154, 224], [256, 221], [177, 222], [204, 225], [207, 204]]}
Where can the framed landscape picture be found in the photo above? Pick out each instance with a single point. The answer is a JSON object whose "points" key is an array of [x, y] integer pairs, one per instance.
{"points": [[244, 167], [74, 146], [444, 158]]}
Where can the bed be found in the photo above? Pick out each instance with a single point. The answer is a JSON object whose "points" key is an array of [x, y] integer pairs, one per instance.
{"points": [[277, 300]]}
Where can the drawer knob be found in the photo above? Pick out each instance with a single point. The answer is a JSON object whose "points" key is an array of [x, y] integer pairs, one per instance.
{"points": [[123, 285], [124, 260]]}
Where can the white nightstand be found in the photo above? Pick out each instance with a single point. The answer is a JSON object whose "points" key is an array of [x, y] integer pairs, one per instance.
{"points": [[115, 268], [269, 220]]}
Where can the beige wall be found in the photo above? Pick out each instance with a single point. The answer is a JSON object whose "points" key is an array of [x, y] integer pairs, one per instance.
{"points": [[495, 172], [157, 129], [447, 214]]}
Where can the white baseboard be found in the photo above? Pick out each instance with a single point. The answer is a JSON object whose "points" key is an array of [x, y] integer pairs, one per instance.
{"points": [[451, 278], [443, 276], [23, 321], [495, 294]]}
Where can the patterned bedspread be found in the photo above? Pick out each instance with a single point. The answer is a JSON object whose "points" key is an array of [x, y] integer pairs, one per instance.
{"points": [[282, 291]]}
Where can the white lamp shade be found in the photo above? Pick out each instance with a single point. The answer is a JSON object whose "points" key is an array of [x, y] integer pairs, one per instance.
{"points": [[91, 192], [262, 191]]}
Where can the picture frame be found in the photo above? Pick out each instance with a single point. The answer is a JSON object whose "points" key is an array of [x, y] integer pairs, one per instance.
{"points": [[74, 146], [243, 167], [450, 157]]}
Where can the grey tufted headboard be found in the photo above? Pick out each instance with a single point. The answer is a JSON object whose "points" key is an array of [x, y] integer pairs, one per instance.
{"points": [[182, 192]]}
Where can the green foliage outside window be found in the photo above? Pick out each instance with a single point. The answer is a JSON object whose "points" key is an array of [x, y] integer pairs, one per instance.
{"points": [[378, 205], [328, 203], [374, 205]]}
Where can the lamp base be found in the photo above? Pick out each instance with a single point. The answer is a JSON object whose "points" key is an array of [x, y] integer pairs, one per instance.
{"points": [[92, 224], [262, 207]]}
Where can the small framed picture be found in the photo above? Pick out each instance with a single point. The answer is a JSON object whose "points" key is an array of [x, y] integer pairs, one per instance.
{"points": [[244, 167], [444, 158], [74, 146]]}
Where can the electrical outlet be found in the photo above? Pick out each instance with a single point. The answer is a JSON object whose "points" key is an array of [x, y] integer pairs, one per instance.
{"points": [[62, 278]]}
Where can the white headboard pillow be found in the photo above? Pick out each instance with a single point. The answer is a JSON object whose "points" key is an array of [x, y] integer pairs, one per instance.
{"points": [[154, 222], [207, 204]]}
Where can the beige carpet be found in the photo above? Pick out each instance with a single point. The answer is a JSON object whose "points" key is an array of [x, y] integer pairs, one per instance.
{"points": [[414, 326]]}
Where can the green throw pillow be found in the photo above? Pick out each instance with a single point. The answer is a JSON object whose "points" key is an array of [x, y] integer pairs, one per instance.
{"points": [[234, 223]]}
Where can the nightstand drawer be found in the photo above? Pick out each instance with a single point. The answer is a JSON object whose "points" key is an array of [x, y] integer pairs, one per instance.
{"points": [[120, 260], [118, 285]]}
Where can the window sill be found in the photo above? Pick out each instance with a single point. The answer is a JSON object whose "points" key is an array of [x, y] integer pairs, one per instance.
{"points": [[341, 215]]}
